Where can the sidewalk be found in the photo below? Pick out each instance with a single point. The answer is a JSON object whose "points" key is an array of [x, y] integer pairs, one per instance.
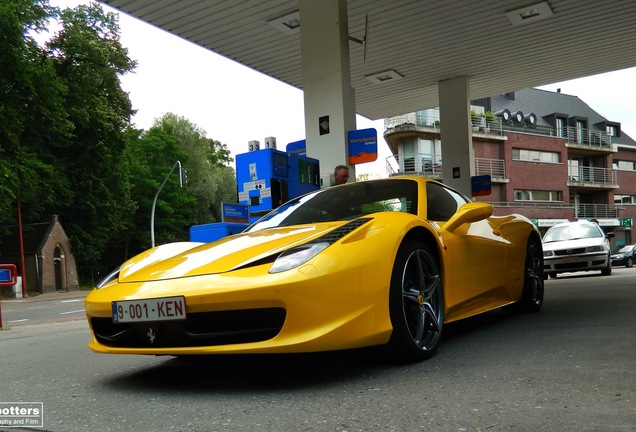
{"points": [[50, 296]]}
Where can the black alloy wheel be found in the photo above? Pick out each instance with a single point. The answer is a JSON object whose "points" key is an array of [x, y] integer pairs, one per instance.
{"points": [[533, 286], [416, 303]]}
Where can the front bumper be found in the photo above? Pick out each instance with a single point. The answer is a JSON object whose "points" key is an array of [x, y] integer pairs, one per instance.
{"points": [[574, 263], [228, 314]]}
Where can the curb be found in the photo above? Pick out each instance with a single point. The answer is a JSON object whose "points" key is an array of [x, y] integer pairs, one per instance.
{"points": [[49, 296]]}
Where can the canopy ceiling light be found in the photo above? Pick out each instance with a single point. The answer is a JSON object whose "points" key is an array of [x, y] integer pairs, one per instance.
{"points": [[530, 14], [288, 24], [384, 76]]}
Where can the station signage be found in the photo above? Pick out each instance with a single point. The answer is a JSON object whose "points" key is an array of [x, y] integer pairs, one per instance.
{"points": [[363, 146], [235, 213], [481, 185]]}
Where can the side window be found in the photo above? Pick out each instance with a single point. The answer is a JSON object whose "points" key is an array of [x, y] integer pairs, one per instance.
{"points": [[442, 203]]}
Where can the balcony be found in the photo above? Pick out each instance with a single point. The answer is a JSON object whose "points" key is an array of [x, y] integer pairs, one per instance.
{"points": [[596, 211], [592, 177], [429, 121], [585, 140], [425, 165], [414, 164], [495, 168], [542, 209], [585, 137]]}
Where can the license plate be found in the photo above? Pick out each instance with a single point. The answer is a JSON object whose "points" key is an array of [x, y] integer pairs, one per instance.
{"points": [[569, 260], [160, 309]]}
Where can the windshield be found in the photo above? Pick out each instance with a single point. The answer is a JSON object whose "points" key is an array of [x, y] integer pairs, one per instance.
{"points": [[344, 202], [572, 232], [622, 248]]}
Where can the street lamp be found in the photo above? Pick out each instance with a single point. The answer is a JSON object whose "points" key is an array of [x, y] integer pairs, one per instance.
{"points": [[154, 202]]}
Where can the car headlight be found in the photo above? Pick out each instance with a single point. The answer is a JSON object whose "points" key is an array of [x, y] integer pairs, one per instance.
{"points": [[111, 276], [299, 255], [548, 253], [294, 257], [595, 249]]}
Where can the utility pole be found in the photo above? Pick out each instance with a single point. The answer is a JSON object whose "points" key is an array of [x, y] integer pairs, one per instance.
{"points": [[21, 237]]}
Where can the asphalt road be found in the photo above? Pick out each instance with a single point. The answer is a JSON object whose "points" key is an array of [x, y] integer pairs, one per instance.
{"points": [[571, 367], [45, 308]]}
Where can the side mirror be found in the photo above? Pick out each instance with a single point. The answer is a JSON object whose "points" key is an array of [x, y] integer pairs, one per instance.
{"points": [[468, 213]]}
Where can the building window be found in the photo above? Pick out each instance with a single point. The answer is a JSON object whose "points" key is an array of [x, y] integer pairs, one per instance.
{"points": [[611, 130], [560, 127], [535, 156], [580, 131], [625, 165], [538, 195], [624, 199]]}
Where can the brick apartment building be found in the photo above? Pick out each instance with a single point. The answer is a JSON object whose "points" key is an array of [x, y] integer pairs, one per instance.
{"points": [[550, 157]]}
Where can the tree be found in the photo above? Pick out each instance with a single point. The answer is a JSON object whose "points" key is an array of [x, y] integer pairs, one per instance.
{"points": [[89, 59], [151, 155], [33, 123], [210, 179], [67, 146]]}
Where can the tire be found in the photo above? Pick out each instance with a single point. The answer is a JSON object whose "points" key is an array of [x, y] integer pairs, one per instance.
{"points": [[533, 287], [416, 303], [630, 262], [607, 270]]}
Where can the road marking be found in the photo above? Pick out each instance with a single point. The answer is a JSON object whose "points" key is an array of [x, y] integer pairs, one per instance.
{"points": [[75, 311], [71, 301], [19, 320]]}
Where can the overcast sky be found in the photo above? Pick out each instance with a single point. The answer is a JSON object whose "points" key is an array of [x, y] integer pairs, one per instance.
{"points": [[235, 104]]}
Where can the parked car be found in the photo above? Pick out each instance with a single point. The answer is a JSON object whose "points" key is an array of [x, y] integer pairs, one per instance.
{"points": [[576, 246], [381, 262], [624, 255]]}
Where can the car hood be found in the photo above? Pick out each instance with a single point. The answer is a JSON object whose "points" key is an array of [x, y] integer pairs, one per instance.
{"points": [[176, 260], [574, 244]]}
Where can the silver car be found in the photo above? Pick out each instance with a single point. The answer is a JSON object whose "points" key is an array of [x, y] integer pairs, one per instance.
{"points": [[576, 246]]}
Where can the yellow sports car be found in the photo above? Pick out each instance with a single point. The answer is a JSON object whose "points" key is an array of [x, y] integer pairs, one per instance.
{"points": [[381, 262]]}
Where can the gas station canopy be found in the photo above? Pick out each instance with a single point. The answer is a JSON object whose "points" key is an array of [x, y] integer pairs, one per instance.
{"points": [[400, 50]]}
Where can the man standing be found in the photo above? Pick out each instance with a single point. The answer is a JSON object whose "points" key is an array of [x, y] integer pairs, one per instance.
{"points": [[340, 175]]}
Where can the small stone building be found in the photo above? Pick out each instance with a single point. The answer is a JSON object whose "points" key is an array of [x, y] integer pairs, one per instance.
{"points": [[48, 258]]}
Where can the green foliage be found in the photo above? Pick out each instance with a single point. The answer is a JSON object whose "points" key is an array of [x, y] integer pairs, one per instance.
{"points": [[67, 147], [210, 181], [89, 59], [33, 120]]}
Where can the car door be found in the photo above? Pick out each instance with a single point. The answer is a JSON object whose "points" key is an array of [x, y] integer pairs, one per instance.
{"points": [[474, 257]]}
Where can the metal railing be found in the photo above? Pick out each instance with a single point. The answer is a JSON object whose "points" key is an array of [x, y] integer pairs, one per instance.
{"points": [[595, 139], [425, 164], [596, 211], [430, 119], [532, 205], [582, 136], [599, 176], [495, 168], [414, 163], [589, 138]]}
